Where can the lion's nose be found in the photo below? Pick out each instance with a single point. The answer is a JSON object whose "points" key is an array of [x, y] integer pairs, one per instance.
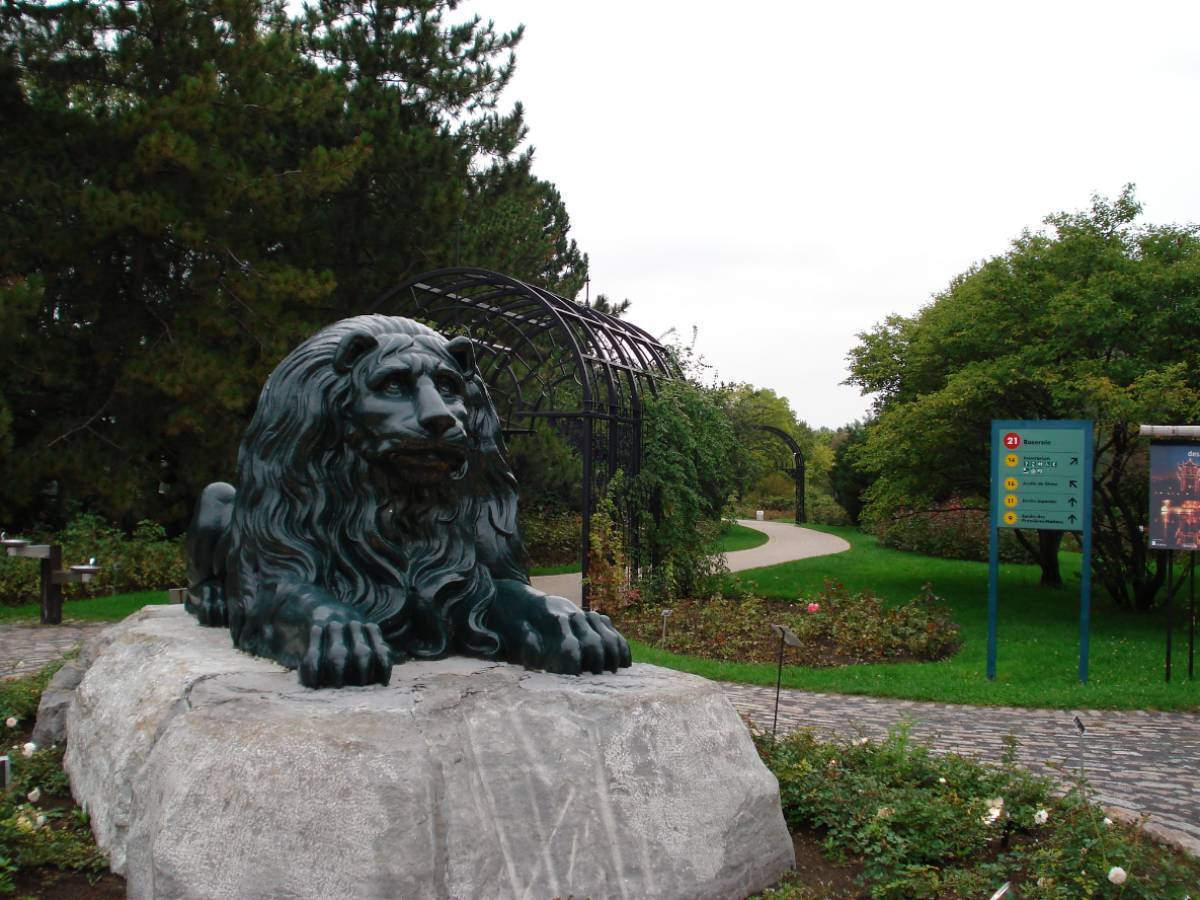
{"points": [[434, 416], [438, 423]]}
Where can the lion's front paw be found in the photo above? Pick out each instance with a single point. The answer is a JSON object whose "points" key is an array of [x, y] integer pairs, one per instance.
{"points": [[561, 638], [346, 653], [210, 609]]}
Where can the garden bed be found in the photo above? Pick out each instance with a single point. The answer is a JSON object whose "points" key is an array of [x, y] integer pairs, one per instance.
{"points": [[891, 818], [835, 627]]}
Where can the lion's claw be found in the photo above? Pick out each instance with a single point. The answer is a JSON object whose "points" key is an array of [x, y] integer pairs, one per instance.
{"points": [[345, 653], [210, 610], [559, 637]]}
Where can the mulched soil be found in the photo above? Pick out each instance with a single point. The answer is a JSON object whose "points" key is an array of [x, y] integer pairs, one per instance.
{"points": [[54, 884], [822, 877]]}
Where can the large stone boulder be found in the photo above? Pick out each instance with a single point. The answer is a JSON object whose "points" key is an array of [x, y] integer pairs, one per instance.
{"points": [[209, 773]]}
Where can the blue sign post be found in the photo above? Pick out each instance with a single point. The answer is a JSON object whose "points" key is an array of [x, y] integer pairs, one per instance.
{"points": [[1042, 479]]}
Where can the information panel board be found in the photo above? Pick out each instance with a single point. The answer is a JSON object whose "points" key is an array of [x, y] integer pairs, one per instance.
{"points": [[1174, 496], [1038, 479], [1041, 479]]}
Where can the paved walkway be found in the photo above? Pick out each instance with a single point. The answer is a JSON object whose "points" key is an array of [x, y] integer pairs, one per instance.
{"points": [[785, 542], [25, 648], [1136, 762]]}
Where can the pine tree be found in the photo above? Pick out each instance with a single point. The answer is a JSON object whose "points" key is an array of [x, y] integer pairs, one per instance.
{"points": [[189, 189]]}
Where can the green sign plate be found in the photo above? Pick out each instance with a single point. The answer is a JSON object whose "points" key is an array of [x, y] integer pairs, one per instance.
{"points": [[1039, 477]]}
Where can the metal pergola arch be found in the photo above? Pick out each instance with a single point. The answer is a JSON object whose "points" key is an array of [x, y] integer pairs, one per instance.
{"points": [[797, 470], [547, 358]]}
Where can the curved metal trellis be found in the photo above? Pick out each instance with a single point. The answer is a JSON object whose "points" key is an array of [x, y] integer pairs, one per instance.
{"points": [[544, 357], [797, 470]]}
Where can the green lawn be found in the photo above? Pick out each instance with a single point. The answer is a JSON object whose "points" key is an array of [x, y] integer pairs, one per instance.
{"points": [[735, 537], [1038, 636], [564, 569], [97, 609]]}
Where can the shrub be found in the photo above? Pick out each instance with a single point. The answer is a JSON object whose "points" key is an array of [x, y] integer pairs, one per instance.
{"points": [[824, 510], [952, 531], [842, 628], [550, 538], [146, 560]]}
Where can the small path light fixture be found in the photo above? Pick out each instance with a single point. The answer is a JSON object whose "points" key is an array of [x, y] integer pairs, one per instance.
{"points": [[53, 575], [787, 637], [666, 614]]}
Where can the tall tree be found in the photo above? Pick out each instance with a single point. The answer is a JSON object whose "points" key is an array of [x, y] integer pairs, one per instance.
{"points": [[1098, 319]]}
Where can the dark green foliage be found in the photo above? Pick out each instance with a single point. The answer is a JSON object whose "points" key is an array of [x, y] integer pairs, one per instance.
{"points": [[191, 188], [950, 530], [1099, 320], [548, 470], [922, 823], [690, 460], [849, 482], [550, 538], [145, 560], [824, 510]]}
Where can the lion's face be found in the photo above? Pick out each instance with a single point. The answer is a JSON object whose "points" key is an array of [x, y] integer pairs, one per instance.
{"points": [[409, 408]]}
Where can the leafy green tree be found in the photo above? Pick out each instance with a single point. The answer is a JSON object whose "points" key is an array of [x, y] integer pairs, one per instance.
{"points": [[748, 408], [848, 482], [1099, 319]]}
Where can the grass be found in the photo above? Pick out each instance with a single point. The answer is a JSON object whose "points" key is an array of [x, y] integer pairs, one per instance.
{"points": [[734, 537], [96, 609], [564, 569], [1038, 637]]}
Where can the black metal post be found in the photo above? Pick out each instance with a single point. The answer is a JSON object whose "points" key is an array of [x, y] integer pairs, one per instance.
{"points": [[52, 598], [1192, 616], [801, 508], [586, 525], [1170, 592], [778, 686]]}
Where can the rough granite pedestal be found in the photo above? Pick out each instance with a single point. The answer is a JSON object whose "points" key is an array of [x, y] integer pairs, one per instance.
{"points": [[211, 774]]}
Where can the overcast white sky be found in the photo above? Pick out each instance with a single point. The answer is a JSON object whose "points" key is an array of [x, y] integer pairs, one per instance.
{"points": [[784, 175]]}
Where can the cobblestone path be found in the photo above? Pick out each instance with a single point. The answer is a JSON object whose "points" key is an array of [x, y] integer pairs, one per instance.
{"points": [[25, 648], [1137, 762]]}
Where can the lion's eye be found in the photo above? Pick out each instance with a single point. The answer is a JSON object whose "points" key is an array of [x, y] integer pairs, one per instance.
{"points": [[448, 385], [396, 384]]}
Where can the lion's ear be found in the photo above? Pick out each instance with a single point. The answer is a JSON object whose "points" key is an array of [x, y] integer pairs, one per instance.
{"points": [[351, 349], [462, 351]]}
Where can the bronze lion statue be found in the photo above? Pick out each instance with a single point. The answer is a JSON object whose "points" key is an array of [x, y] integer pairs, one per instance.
{"points": [[375, 520]]}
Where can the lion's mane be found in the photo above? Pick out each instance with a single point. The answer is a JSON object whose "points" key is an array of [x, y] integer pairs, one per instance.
{"points": [[310, 509]]}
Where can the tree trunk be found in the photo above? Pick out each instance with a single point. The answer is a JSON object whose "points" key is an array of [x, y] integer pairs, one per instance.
{"points": [[1046, 554], [1048, 544]]}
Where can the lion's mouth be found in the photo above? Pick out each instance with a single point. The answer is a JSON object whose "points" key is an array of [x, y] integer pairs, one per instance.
{"points": [[426, 459]]}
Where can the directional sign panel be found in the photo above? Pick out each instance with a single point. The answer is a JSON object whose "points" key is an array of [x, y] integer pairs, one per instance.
{"points": [[1041, 474], [1041, 478]]}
